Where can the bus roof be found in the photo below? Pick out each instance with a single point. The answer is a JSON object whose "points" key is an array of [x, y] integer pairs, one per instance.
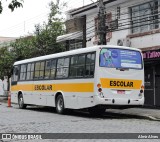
{"points": [[72, 52]]}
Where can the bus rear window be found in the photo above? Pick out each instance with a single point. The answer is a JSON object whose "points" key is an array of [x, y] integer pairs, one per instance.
{"points": [[120, 58]]}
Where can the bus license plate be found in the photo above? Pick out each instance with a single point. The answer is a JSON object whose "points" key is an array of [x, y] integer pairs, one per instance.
{"points": [[120, 92]]}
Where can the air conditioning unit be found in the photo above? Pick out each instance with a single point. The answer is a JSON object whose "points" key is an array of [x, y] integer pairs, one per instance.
{"points": [[124, 42]]}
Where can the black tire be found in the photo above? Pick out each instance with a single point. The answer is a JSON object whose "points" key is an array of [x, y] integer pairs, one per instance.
{"points": [[97, 111], [60, 105], [21, 102]]}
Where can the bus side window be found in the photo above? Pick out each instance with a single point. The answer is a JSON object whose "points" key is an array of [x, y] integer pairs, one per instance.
{"points": [[53, 68], [60, 63], [77, 66], [81, 66], [23, 72], [15, 73], [30, 70], [47, 69], [36, 73], [66, 68], [73, 69], [62, 68], [41, 71], [90, 63]]}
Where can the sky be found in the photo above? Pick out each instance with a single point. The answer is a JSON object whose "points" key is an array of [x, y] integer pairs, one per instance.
{"points": [[21, 22]]}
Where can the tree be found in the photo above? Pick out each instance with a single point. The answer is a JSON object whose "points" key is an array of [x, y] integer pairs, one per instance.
{"points": [[12, 5], [23, 48], [47, 33], [41, 43], [6, 62]]}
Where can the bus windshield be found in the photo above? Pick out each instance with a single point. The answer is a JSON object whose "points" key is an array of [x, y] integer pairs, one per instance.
{"points": [[120, 58]]}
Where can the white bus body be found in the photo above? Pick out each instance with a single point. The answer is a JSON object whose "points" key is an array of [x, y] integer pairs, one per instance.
{"points": [[115, 78]]}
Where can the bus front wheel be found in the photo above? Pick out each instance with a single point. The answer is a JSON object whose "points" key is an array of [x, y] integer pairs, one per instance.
{"points": [[21, 102], [60, 104]]}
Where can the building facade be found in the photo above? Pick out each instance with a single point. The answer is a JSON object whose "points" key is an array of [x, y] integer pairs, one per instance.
{"points": [[128, 23]]}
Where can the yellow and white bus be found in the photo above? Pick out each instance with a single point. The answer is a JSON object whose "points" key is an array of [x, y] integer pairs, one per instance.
{"points": [[94, 78]]}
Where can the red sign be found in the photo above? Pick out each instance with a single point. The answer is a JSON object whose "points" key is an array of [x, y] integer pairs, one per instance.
{"points": [[151, 54]]}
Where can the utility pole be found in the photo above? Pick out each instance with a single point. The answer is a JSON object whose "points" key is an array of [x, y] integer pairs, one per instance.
{"points": [[101, 23]]}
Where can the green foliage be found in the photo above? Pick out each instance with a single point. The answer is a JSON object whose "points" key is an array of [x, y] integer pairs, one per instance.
{"points": [[1, 8], [43, 42], [6, 62], [47, 33], [15, 4], [23, 48], [12, 5]]}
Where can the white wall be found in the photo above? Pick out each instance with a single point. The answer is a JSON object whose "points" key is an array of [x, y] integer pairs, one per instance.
{"points": [[138, 42]]}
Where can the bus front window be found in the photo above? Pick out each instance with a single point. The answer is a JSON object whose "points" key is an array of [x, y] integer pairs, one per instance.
{"points": [[120, 58]]}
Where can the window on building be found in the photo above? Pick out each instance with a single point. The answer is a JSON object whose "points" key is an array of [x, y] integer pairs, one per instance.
{"points": [[75, 44], [62, 68], [30, 71], [145, 17]]}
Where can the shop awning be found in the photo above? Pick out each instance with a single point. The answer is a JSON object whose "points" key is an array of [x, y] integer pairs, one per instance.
{"points": [[70, 36]]}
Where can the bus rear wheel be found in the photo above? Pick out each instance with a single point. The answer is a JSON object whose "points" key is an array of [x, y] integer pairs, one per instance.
{"points": [[21, 102], [60, 105]]}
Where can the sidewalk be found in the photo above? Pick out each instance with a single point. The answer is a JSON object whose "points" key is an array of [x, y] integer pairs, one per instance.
{"points": [[3, 98], [148, 113]]}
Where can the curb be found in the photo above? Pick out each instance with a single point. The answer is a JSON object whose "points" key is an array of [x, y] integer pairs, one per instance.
{"points": [[135, 115], [152, 118], [147, 117], [3, 100]]}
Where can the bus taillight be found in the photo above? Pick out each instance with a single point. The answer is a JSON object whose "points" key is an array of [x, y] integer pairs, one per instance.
{"points": [[141, 91], [99, 85], [100, 90]]}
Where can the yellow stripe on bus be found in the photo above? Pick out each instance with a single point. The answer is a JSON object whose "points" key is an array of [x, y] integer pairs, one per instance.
{"points": [[66, 87], [26, 87], [76, 87], [120, 83]]}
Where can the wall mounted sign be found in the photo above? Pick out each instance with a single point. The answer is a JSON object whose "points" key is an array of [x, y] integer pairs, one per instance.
{"points": [[153, 54]]}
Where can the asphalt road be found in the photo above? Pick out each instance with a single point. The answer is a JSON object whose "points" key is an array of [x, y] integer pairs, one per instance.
{"points": [[46, 120]]}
